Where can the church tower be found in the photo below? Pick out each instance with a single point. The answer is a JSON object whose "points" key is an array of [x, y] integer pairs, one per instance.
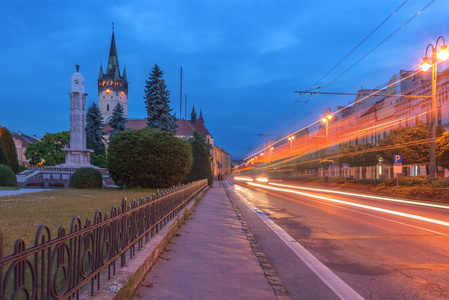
{"points": [[112, 88]]}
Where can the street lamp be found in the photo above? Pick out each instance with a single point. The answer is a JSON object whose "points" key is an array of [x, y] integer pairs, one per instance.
{"points": [[291, 141], [443, 55], [327, 117]]}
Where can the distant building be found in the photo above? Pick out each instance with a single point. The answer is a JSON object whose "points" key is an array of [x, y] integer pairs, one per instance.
{"points": [[21, 142], [112, 87], [222, 162]]}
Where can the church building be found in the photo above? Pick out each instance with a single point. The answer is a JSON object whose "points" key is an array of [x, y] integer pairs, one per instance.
{"points": [[112, 87]]}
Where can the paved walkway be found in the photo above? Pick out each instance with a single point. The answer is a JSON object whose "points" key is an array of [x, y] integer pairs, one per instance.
{"points": [[20, 191], [211, 259]]}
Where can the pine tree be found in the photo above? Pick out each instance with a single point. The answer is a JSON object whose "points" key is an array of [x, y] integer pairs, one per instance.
{"points": [[157, 102], [10, 149], [117, 121], [94, 130]]}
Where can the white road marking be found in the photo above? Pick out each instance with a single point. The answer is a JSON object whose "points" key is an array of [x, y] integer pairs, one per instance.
{"points": [[338, 286]]}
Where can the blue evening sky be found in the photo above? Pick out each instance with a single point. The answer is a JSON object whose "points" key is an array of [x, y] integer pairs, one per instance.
{"points": [[242, 60]]}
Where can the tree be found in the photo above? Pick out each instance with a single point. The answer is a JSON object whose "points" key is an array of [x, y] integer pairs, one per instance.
{"points": [[117, 121], [201, 168], [157, 103], [442, 150], [148, 158], [358, 156], [411, 142], [49, 149], [94, 130], [10, 149], [3, 157], [98, 160]]}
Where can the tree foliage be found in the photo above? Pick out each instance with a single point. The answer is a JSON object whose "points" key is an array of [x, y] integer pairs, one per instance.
{"points": [[98, 160], [10, 149], [49, 149], [94, 130], [442, 150], [117, 121], [157, 102], [7, 176], [3, 157], [411, 142], [201, 167], [358, 156], [148, 158]]}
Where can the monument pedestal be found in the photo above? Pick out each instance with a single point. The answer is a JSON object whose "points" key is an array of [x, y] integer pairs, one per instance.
{"points": [[77, 158]]}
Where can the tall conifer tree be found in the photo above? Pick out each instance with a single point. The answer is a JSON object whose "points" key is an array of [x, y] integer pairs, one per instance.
{"points": [[10, 149], [157, 102], [94, 130], [3, 157], [117, 121]]}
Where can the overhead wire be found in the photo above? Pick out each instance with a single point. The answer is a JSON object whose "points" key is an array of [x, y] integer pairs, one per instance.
{"points": [[358, 61]]}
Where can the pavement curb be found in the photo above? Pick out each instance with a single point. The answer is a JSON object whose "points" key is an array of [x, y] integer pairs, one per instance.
{"points": [[128, 279], [269, 273]]}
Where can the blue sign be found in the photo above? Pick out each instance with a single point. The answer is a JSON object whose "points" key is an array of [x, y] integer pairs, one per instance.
{"points": [[220, 166], [345, 166], [397, 160]]}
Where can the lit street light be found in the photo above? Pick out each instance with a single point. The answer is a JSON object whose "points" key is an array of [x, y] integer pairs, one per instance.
{"points": [[327, 117], [291, 141], [443, 55]]}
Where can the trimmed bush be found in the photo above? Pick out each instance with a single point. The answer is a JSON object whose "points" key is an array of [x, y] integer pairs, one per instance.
{"points": [[148, 158], [86, 178], [7, 176]]}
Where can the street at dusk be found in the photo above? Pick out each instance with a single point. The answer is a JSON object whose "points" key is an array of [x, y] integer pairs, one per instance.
{"points": [[234, 149], [382, 249]]}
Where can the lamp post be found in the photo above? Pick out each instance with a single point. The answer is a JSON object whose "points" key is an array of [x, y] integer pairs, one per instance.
{"points": [[327, 117], [443, 55], [291, 141]]}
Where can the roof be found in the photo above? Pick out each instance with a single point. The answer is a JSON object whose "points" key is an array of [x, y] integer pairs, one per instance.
{"points": [[376, 106], [25, 139], [185, 127]]}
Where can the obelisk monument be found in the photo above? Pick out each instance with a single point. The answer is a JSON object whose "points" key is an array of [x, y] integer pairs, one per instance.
{"points": [[76, 154]]}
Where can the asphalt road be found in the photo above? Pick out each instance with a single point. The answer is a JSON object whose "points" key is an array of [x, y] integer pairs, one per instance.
{"points": [[380, 249]]}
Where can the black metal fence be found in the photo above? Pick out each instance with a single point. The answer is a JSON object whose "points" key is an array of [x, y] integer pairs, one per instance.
{"points": [[57, 268]]}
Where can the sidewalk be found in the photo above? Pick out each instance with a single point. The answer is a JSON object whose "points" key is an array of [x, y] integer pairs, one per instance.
{"points": [[211, 259], [20, 191]]}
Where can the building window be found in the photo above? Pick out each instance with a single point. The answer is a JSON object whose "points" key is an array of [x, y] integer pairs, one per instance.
{"points": [[107, 107]]}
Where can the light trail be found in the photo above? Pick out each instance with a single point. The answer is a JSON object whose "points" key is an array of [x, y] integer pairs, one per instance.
{"points": [[363, 196], [387, 211]]}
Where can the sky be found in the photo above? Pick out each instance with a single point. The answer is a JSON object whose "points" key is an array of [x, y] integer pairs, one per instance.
{"points": [[242, 60]]}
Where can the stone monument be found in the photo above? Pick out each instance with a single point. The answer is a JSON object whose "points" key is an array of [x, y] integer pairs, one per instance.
{"points": [[76, 154]]}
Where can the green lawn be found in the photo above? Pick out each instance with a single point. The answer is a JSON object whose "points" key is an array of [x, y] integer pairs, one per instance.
{"points": [[2, 188], [21, 215]]}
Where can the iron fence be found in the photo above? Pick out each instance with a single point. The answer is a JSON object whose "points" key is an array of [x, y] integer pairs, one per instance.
{"points": [[58, 268]]}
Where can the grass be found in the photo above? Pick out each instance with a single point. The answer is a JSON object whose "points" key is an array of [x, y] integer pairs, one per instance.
{"points": [[21, 215], [8, 188]]}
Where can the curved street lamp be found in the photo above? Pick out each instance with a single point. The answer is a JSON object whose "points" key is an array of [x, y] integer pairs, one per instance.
{"points": [[443, 55]]}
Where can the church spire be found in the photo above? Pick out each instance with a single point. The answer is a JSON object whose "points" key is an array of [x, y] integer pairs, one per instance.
{"points": [[201, 114], [113, 70], [124, 73], [193, 114], [100, 76]]}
